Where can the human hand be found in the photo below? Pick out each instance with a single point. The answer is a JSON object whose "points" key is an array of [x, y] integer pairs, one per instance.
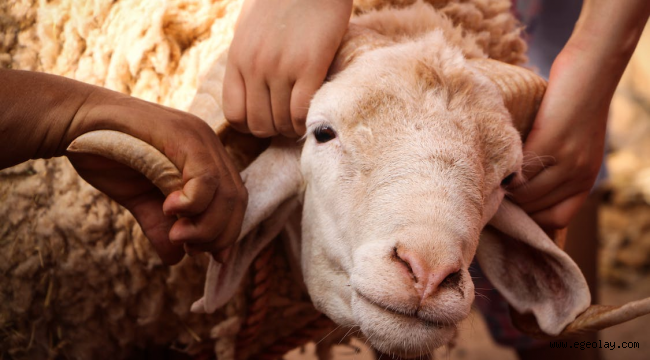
{"points": [[42, 114], [564, 150], [205, 215], [279, 57]]}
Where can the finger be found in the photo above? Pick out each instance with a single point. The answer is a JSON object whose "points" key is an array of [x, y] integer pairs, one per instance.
{"points": [[280, 105], [559, 216], [561, 192], [538, 187], [214, 214], [258, 110], [193, 198], [534, 164], [301, 95], [147, 210], [234, 98], [233, 226], [209, 225]]}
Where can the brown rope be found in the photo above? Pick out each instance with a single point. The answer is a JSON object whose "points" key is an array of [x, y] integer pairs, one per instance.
{"points": [[259, 300], [262, 270]]}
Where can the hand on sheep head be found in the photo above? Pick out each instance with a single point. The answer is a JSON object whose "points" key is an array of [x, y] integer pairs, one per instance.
{"points": [[44, 113], [279, 57], [564, 150]]}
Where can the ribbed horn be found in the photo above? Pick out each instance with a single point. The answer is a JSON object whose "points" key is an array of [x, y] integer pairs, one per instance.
{"points": [[132, 152], [522, 90], [595, 318]]}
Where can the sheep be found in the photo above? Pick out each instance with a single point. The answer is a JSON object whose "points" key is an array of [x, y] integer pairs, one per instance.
{"points": [[407, 147], [433, 110]]}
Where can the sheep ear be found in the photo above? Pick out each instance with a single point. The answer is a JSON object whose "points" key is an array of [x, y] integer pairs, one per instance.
{"points": [[544, 287], [357, 40], [273, 181], [531, 272], [521, 88]]}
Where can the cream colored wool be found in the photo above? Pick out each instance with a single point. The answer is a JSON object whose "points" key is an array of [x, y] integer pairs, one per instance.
{"points": [[150, 49], [78, 278]]}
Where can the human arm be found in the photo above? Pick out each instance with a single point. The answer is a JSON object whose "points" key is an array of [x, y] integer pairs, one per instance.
{"points": [[564, 150], [42, 114], [279, 57]]}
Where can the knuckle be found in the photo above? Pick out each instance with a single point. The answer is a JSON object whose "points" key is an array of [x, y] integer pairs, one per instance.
{"points": [[263, 63], [211, 179]]}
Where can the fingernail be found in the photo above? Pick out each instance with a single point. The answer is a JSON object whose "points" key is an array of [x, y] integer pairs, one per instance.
{"points": [[183, 199]]}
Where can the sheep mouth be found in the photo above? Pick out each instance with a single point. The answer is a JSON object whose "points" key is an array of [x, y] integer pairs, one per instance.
{"points": [[409, 315]]}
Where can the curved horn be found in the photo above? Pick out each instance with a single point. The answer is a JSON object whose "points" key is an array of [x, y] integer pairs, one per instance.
{"points": [[595, 318], [521, 88], [132, 152], [267, 190]]}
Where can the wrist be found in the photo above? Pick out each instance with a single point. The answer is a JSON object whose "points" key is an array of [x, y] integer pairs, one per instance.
{"points": [[609, 30], [37, 111]]}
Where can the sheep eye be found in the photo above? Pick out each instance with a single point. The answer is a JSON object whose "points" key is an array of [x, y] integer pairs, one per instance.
{"points": [[508, 179], [324, 133]]}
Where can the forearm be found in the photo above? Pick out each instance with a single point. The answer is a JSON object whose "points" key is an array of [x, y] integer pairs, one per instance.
{"points": [[612, 25], [607, 33], [37, 111]]}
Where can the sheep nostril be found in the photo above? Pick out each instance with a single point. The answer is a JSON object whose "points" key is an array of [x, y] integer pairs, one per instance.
{"points": [[405, 263], [452, 280]]}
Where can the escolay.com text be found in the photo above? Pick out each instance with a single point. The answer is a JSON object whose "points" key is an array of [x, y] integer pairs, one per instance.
{"points": [[582, 345]]}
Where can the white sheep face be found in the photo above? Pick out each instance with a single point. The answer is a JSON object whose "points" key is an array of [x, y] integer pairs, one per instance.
{"points": [[403, 163]]}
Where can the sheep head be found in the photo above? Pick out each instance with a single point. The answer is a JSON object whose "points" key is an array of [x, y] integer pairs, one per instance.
{"points": [[406, 151]]}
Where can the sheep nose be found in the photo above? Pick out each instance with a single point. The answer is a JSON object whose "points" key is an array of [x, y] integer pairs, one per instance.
{"points": [[427, 279]]}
